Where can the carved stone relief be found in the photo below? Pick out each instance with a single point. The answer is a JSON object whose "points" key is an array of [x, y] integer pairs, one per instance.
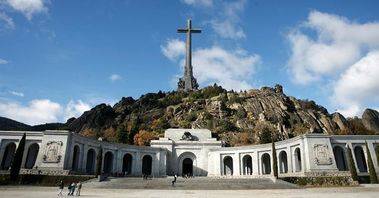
{"points": [[53, 152], [321, 153]]}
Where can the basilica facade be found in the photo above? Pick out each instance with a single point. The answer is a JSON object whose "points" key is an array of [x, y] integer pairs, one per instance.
{"points": [[191, 152]]}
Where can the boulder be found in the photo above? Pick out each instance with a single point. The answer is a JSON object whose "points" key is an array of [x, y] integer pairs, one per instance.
{"points": [[370, 120]]}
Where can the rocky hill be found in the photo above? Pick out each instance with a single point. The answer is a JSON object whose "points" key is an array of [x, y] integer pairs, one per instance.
{"points": [[236, 117]]}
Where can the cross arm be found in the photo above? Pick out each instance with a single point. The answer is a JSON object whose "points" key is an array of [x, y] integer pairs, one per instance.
{"points": [[195, 31], [182, 30]]}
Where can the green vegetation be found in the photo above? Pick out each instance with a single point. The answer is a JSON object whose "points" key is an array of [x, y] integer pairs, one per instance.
{"points": [[17, 160], [352, 168], [99, 161], [274, 159], [371, 167]]}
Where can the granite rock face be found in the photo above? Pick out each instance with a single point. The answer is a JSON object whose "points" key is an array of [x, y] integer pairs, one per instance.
{"points": [[244, 117], [221, 111], [370, 120]]}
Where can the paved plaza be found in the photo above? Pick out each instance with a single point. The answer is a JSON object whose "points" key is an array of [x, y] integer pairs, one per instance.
{"points": [[347, 192]]}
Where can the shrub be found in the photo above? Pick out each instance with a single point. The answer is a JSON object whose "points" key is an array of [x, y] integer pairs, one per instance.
{"points": [[17, 160], [143, 138], [274, 159], [264, 132], [99, 161], [371, 167]]}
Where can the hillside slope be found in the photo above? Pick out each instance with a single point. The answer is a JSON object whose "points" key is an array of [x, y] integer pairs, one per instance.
{"points": [[237, 118]]}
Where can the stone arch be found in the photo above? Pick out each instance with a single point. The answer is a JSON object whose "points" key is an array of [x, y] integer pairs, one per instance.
{"points": [[266, 164], [283, 162], [360, 159], [247, 165], [147, 162], [108, 162], [187, 164], [297, 156], [75, 158], [340, 158], [127, 162], [8, 156], [91, 160], [228, 165], [31, 156]]}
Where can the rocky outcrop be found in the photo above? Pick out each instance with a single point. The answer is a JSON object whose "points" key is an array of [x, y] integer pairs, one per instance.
{"points": [[370, 120], [257, 114]]}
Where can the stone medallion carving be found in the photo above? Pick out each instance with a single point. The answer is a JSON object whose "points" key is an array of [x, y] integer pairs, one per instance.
{"points": [[321, 153], [52, 152]]}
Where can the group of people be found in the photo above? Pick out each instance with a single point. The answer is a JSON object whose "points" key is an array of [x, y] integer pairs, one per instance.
{"points": [[71, 188]]}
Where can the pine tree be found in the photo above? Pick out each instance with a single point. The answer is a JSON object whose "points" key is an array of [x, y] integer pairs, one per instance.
{"points": [[371, 168], [99, 160], [17, 160], [352, 168], [275, 160]]}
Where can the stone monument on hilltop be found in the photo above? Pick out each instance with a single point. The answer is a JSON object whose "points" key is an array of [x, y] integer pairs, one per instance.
{"points": [[188, 81]]}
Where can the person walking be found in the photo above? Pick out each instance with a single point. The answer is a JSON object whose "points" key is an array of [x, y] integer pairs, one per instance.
{"points": [[173, 181], [79, 187], [72, 189], [60, 190]]}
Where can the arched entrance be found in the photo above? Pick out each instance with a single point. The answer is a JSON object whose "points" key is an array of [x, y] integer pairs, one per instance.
{"points": [[8, 156], [90, 166], [247, 164], [283, 165], [228, 165], [360, 159], [339, 156], [147, 162], [108, 162], [187, 167], [266, 164], [75, 158], [31, 156], [297, 156], [127, 164]]}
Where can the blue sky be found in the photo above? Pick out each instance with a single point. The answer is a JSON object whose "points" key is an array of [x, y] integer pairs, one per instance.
{"points": [[59, 58]]}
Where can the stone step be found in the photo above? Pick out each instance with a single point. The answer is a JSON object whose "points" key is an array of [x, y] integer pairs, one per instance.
{"points": [[199, 183]]}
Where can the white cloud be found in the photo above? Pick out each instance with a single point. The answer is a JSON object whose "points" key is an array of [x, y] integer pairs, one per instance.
{"points": [[225, 19], [231, 69], [8, 22], [28, 7], [36, 112], [339, 44], [358, 85], [115, 77], [203, 3], [20, 94], [329, 48], [173, 49], [75, 109], [3, 62], [228, 24], [42, 111]]}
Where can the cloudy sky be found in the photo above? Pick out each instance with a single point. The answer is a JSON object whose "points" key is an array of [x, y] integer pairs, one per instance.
{"points": [[60, 58]]}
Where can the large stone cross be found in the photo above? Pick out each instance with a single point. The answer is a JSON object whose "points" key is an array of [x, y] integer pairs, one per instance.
{"points": [[188, 82]]}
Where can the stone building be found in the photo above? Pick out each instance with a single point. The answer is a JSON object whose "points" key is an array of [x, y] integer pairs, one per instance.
{"points": [[188, 152]]}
